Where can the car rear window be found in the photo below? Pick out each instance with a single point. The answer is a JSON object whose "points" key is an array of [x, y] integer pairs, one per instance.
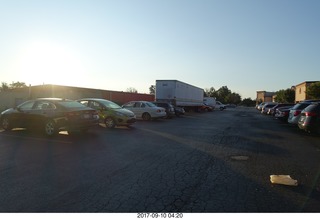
{"points": [[313, 108], [300, 106]]}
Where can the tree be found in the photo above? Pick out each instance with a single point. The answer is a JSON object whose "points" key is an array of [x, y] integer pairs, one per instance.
{"points": [[211, 92], [132, 90], [152, 89], [234, 98], [285, 96], [313, 91], [4, 86], [248, 102], [223, 94], [13, 85], [18, 85]]}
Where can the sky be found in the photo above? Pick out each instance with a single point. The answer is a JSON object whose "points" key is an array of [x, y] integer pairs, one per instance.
{"points": [[246, 45]]}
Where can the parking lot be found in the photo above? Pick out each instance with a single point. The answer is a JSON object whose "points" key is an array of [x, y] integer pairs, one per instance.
{"points": [[209, 162]]}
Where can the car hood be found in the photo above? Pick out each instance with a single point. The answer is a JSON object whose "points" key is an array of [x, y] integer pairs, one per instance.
{"points": [[8, 111], [124, 111], [160, 108]]}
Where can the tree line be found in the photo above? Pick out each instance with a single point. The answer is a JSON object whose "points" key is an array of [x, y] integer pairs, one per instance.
{"points": [[5, 86]]}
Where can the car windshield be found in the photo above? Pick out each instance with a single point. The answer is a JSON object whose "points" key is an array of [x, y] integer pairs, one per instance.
{"points": [[110, 104], [149, 104]]}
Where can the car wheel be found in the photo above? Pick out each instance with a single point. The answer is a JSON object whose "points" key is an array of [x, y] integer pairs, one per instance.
{"points": [[109, 122], [146, 116], [50, 128], [6, 125]]}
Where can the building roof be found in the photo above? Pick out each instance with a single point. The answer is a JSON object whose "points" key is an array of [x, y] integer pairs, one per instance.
{"points": [[307, 82]]}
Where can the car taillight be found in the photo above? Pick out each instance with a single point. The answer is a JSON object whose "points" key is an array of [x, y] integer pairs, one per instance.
{"points": [[310, 114], [158, 111], [296, 113]]}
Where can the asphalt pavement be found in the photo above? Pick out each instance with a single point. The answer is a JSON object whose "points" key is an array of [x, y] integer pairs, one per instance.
{"points": [[208, 162]]}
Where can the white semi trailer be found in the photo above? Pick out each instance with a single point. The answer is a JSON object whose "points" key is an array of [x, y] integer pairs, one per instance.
{"points": [[179, 94]]}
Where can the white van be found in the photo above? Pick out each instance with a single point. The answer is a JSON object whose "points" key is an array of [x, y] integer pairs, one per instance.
{"points": [[220, 105], [210, 101]]}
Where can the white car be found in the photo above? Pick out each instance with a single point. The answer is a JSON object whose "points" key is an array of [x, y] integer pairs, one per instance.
{"points": [[220, 105], [145, 110]]}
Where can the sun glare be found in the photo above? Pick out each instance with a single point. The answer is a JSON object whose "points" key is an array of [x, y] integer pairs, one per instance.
{"points": [[50, 63]]}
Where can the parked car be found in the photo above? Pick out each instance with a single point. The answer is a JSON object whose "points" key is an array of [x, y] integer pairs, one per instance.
{"points": [[206, 108], [294, 114], [168, 107], [220, 105], [179, 111], [282, 113], [259, 106], [310, 118], [231, 105], [267, 106], [145, 110], [50, 115], [272, 111], [110, 113]]}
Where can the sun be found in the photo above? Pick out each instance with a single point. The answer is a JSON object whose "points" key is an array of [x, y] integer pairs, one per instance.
{"points": [[50, 63]]}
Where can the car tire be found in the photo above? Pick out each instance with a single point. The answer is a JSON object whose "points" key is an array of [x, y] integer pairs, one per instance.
{"points": [[50, 128], [109, 122], [6, 124], [146, 116]]}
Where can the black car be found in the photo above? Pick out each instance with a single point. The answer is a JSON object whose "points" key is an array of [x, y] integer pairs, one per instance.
{"points": [[272, 111], [310, 118], [50, 115], [282, 113], [179, 111], [168, 107]]}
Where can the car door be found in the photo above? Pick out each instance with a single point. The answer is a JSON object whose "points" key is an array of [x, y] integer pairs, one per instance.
{"points": [[41, 111], [100, 108], [130, 106], [23, 114], [138, 109]]}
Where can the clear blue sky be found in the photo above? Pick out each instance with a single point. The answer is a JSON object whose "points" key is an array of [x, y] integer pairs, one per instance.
{"points": [[247, 45]]}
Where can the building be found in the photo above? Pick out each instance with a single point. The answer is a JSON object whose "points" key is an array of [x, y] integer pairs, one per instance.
{"points": [[14, 97], [300, 91], [265, 96]]}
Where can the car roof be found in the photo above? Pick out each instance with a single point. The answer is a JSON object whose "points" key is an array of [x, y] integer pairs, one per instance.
{"points": [[52, 99], [96, 99]]}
